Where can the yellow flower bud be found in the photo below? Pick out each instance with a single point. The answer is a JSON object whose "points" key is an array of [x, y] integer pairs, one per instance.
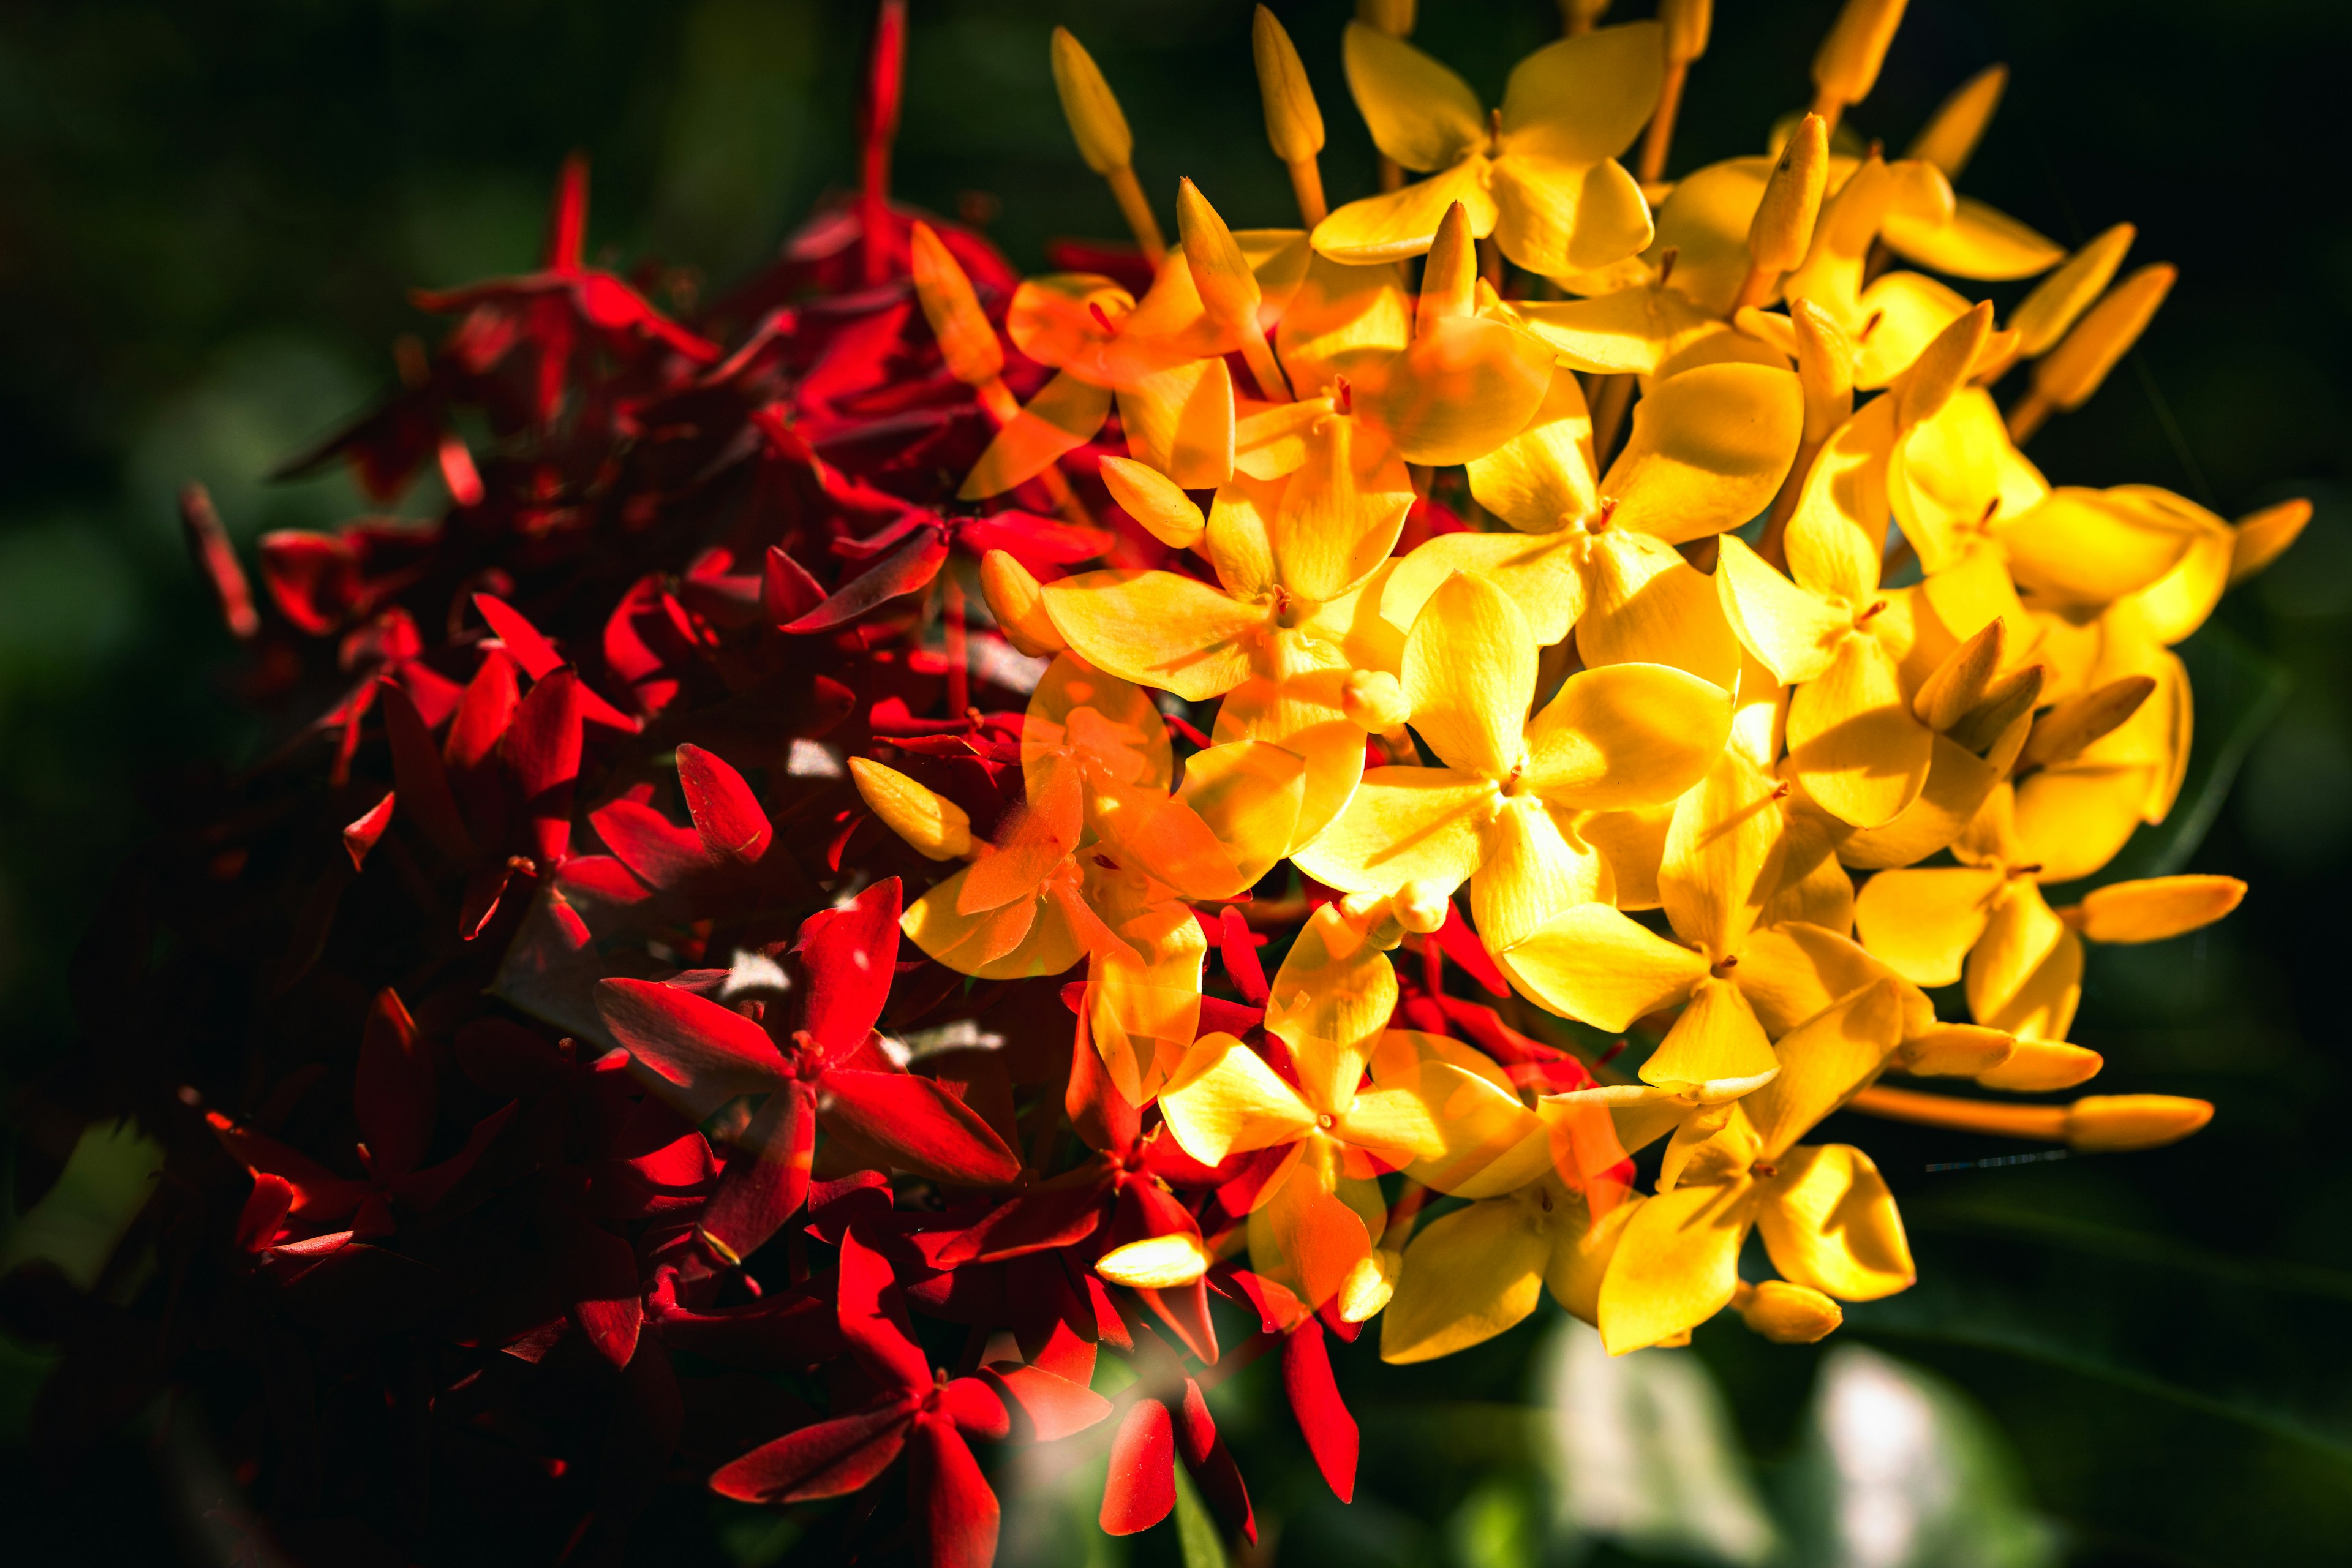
{"points": [[1369, 1285], [2262, 536], [2017, 692], [2042, 316], [1847, 68], [1018, 604], [1156, 1263], [2156, 908], [1958, 685], [2076, 368], [935, 826], [1155, 501], [1393, 17], [1293, 124], [2112, 1123], [1101, 128], [1957, 126], [967, 342], [1786, 1314], [1942, 367], [1582, 16], [2039, 1067], [1373, 700], [1422, 906], [1825, 357], [1687, 24], [1955, 1050], [1228, 293], [2061, 735], [1782, 229], [1449, 281]]}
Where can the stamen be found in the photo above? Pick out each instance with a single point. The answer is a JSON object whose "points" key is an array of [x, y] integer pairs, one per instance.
{"points": [[1343, 395]]}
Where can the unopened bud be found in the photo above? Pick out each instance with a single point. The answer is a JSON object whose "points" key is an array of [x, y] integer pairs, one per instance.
{"points": [[2042, 316], [1847, 68], [2112, 1123], [1687, 24], [1293, 124], [1393, 17], [1155, 501], [2261, 537], [1018, 604], [1582, 16], [1372, 700], [2156, 908], [2040, 1067], [1786, 1314], [1782, 229], [2061, 735], [1942, 367], [1369, 1285], [2074, 369], [1449, 279], [1957, 126], [1087, 102], [2010, 695], [1955, 1050], [967, 342], [1229, 292], [1825, 359], [1423, 905], [1958, 686], [1156, 1263], [933, 825]]}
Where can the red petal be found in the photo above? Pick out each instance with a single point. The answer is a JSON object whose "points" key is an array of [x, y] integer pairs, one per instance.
{"points": [[787, 592], [956, 1502], [662, 854], [874, 1319], [1053, 1214], [313, 578], [1240, 953], [394, 1095], [711, 1053], [725, 811], [920, 1125], [1033, 540], [1099, 1114], [1185, 1310], [319, 1193], [265, 1211], [1330, 1430], [911, 567], [542, 749], [765, 1183], [483, 713], [973, 1405], [1462, 946], [1046, 1408], [217, 559], [831, 1458], [360, 836], [1142, 1487], [567, 219], [850, 955], [1211, 1463], [540, 659]]}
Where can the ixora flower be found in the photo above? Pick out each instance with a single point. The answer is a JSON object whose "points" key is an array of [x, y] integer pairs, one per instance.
{"points": [[730, 958]]}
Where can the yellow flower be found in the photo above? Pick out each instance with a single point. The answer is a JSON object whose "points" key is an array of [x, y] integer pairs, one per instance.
{"points": [[1502, 814], [1539, 173]]}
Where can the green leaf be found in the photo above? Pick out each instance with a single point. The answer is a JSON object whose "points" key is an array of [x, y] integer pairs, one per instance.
{"points": [[1196, 1533]]}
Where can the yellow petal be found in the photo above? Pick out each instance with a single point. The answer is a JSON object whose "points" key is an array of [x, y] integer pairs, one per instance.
{"points": [[1404, 825], [1626, 332], [1107, 724], [2157, 907], [2177, 604], [1399, 224], [1581, 1255], [1224, 1099], [1958, 1050], [1977, 242], [1556, 217], [1792, 970], [2026, 974], [1634, 845], [2261, 537], [1833, 535], [1593, 964], [1467, 1277], [1461, 390], [1470, 672], [1052, 321], [1330, 1001], [1676, 1265], [935, 826], [1822, 1062], [1541, 576], [1708, 449], [2071, 821], [2041, 1067], [1249, 794], [1239, 539], [1625, 736], [1704, 221], [1532, 871], [1648, 605], [1309, 1235], [1828, 1221], [1180, 421], [1420, 113], [1343, 316], [1297, 703], [1152, 499], [1584, 98], [2090, 547], [1541, 478], [1724, 856], [1156, 1262], [1853, 741], [1157, 629], [1143, 1007], [1062, 418], [1795, 633], [1923, 922], [1815, 888], [1272, 442], [1339, 518], [1031, 840], [1953, 470], [1014, 942], [1718, 1037]]}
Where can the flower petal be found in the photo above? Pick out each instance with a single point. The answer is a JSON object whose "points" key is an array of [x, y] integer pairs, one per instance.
{"points": [[1180, 421], [1404, 825], [1793, 632], [1541, 478], [1676, 1265], [1625, 736], [1467, 1277], [1718, 1037], [1539, 575], [1403, 222], [1824, 1061], [1830, 1222], [1852, 741], [1532, 871], [1923, 922], [1593, 964], [1724, 856], [1225, 1100], [1648, 605], [1062, 418], [1157, 629], [2026, 975], [1420, 114], [1584, 98], [1464, 387], [1470, 673], [1708, 449]]}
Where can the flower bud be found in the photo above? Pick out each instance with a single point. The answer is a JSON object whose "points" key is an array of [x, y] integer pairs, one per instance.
{"points": [[1955, 1050], [1228, 293], [1942, 368], [1369, 1285], [1156, 1262], [1293, 124], [1019, 606], [1825, 359], [1373, 700], [2039, 1067], [2076, 366], [2156, 908], [1958, 685], [1582, 16], [1155, 501], [935, 826], [2005, 700], [1782, 229], [1422, 905], [1449, 279], [1847, 68], [1687, 24], [2114, 1123], [1786, 1314], [967, 342], [1957, 126], [1095, 121], [2042, 316], [2262, 536], [1393, 17], [2061, 735]]}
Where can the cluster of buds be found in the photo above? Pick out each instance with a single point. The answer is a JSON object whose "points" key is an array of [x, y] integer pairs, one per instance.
{"points": [[719, 984]]}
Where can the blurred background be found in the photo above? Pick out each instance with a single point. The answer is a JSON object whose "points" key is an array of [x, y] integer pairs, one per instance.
{"points": [[210, 216]]}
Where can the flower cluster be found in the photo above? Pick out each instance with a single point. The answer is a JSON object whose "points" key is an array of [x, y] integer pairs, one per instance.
{"points": [[716, 982]]}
